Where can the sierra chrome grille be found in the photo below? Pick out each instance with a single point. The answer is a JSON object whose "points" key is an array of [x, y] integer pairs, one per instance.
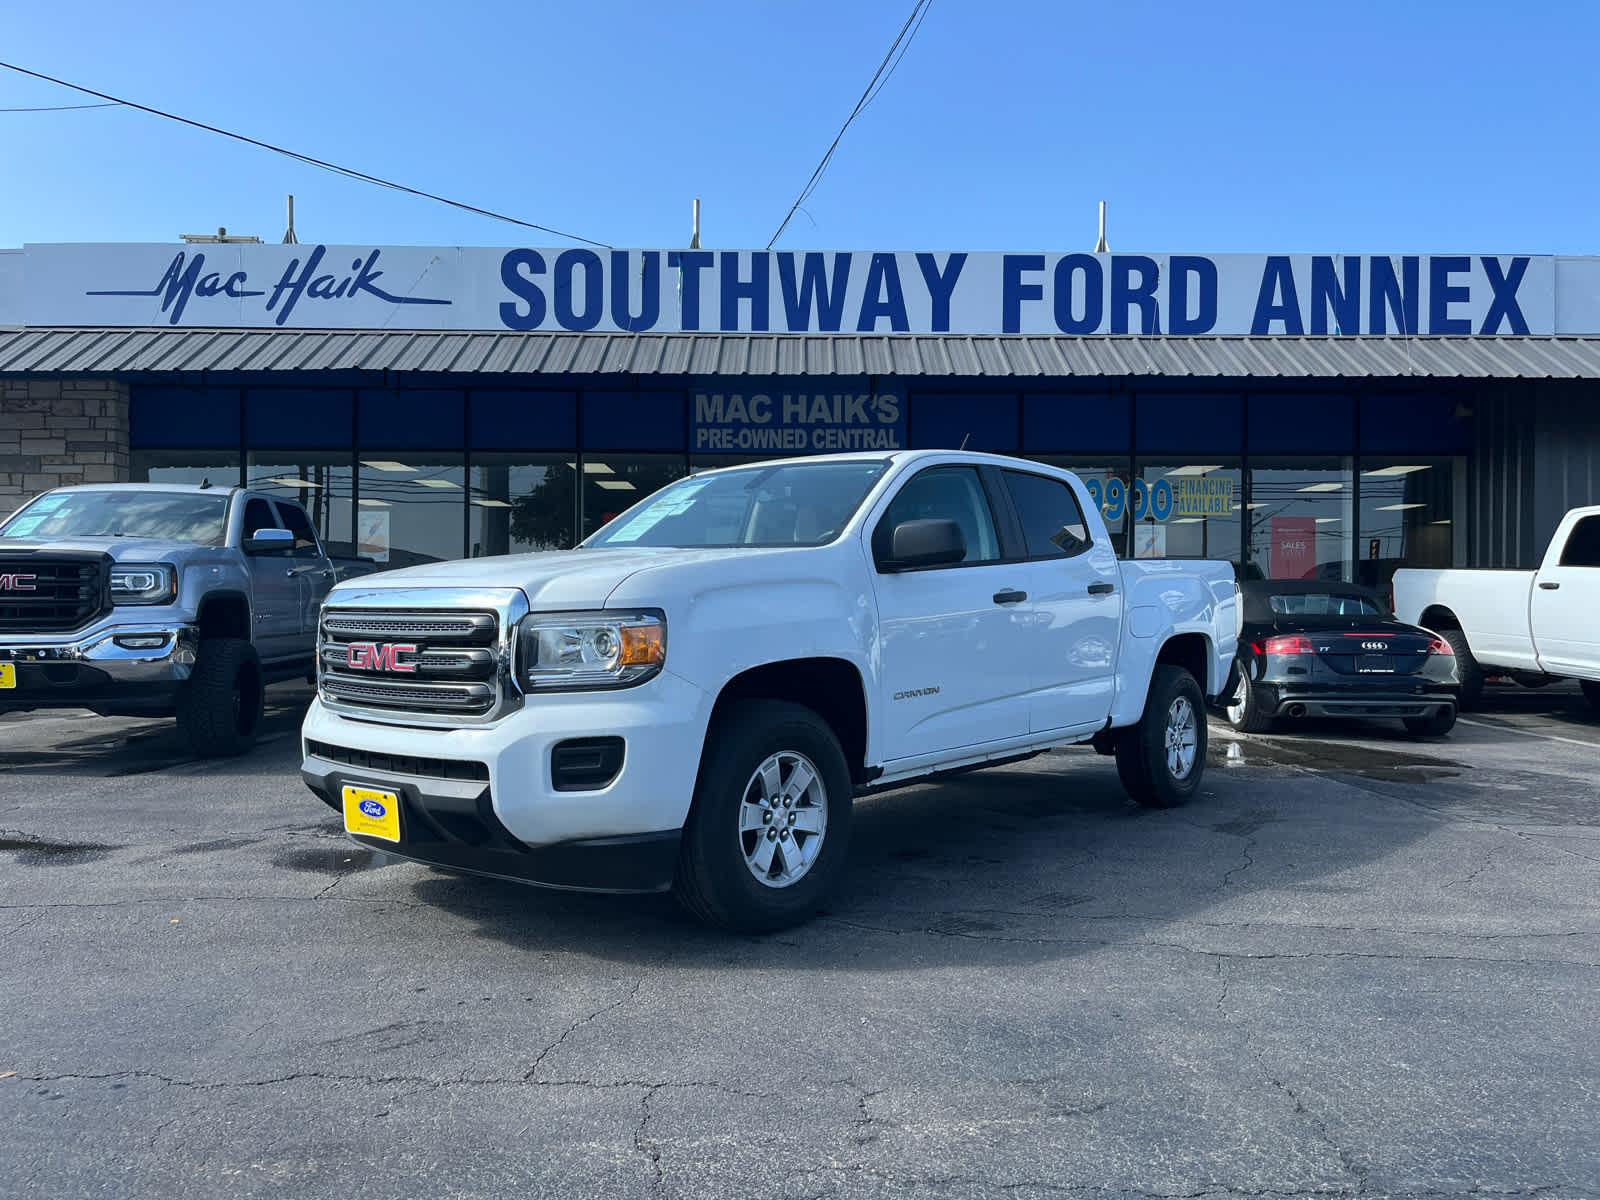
{"points": [[52, 592], [428, 663]]}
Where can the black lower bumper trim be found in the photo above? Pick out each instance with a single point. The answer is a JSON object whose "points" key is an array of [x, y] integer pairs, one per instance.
{"points": [[459, 831], [77, 685], [1352, 706]]}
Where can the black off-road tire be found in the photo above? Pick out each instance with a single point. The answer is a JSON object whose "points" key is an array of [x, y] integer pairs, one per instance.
{"points": [[715, 880], [1253, 712], [1437, 725], [219, 710], [1591, 692], [1467, 669], [1142, 757]]}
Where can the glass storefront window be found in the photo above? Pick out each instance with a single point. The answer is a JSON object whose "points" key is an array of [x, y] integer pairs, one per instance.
{"points": [[1407, 516], [614, 483], [319, 480], [521, 503], [1302, 517], [1110, 483], [412, 507], [219, 467], [1187, 510]]}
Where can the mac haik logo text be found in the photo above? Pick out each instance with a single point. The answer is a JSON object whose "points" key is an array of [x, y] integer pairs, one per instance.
{"points": [[187, 279]]}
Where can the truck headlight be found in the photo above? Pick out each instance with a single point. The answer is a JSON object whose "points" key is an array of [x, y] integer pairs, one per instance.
{"points": [[143, 583], [579, 650]]}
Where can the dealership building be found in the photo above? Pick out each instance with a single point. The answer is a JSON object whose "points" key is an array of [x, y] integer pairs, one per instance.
{"points": [[1305, 416]]}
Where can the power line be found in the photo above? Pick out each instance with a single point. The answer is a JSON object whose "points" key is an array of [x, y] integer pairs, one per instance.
{"points": [[906, 34], [306, 158], [63, 107]]}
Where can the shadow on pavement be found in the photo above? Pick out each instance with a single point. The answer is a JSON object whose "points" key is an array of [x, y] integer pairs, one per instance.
{"points": [[76, 743]]}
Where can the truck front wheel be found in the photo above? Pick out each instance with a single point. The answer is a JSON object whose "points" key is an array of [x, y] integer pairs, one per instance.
{"points": [[220, 708], [769, 830], [1160, 760]]}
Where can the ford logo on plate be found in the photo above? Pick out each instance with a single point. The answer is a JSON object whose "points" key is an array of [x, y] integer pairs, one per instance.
{"points": [[373, 809]]}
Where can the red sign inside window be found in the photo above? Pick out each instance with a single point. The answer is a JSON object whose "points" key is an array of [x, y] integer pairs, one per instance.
{"points": [[1294, 548]]}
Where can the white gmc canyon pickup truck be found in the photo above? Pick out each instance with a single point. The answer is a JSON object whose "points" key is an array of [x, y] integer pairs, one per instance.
{"points": [[1535, 626], [692, 698]]}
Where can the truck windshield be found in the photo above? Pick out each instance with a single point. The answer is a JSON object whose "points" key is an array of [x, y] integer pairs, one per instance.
{"points": [[171, 516], [779, 504]]}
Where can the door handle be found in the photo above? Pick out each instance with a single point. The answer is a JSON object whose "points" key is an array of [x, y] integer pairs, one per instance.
{"points": [[1102, 589], [1010, 596], [1549, 585]]}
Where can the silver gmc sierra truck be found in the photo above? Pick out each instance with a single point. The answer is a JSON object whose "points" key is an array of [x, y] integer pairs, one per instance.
{"points": [[159, 600]]}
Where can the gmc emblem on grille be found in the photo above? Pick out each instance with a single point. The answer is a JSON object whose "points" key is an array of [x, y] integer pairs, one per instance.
{"points": [[379, 656], [17, 583], [1374, 645]]}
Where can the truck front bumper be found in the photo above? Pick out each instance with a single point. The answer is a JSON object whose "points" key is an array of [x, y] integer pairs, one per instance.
{"points": [[587, 791], [133, 669]]}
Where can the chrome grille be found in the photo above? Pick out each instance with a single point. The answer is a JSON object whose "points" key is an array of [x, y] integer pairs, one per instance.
{"points": [[425, 665]]}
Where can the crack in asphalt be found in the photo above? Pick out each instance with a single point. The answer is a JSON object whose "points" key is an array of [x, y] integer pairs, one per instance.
{"points": [[577, 1025], [419, 1082], [1249, 861], [1100, 1190], [955, 929], [1471, 876], [1318, 1124], [650, 1150]]}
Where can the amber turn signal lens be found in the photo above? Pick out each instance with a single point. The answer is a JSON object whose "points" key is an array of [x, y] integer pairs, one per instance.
{"points": [[642, 645]]}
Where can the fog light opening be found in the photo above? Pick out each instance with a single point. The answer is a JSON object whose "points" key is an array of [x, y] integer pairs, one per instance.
{"points": [[141, 641]]}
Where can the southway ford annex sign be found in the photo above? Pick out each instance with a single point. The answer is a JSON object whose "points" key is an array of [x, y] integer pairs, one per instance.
{"points": [[664, 291]]}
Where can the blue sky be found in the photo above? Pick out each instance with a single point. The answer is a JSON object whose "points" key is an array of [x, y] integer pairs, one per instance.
{"points": [[1406, 125]]}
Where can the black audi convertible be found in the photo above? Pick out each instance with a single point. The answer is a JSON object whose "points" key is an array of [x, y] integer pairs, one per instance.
{"points": [[1322, 649]]}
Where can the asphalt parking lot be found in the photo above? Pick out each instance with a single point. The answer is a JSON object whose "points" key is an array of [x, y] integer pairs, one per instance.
{"points": [[1356, 965]]}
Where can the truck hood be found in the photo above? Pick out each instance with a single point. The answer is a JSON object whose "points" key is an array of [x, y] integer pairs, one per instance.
{"points": [[122, 549], [551, 580]]}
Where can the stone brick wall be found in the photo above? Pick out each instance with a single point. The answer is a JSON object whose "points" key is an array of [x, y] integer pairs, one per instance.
{"points": [[59, 431]]}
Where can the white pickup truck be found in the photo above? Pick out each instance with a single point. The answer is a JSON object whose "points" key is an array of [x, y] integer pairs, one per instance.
{"points": [[1534, 626], [692, 698]]}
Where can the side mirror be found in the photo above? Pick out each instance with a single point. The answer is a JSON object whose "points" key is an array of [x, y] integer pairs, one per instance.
{"points": [[266, 541], [927, 543]]}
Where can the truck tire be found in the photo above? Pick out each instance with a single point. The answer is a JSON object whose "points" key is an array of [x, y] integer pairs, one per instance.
{"points": [[769, 829], [1246, 708], [1437, 725], [219, 710], [1160, 760], [1591, 692], [1467, 668]]}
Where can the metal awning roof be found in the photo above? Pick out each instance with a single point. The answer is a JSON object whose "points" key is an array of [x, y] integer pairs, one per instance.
{"points": [[48, 351]]}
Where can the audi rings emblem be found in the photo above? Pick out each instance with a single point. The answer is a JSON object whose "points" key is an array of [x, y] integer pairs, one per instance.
{"points": [[1374, 645]]}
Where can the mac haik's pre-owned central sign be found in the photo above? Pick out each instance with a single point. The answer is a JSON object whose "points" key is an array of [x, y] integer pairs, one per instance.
{"points": [[665, 291]]}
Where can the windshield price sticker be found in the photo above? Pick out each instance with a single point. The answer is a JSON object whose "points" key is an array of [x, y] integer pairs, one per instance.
{"points": [[676, 500]]}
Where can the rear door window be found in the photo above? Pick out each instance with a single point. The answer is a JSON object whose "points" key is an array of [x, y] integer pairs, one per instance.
{"points": [[1053, 525], [1583, 544]]}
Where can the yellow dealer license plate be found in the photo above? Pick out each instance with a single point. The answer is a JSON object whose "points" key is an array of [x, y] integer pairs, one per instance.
{"points": [[8, 675], [372, 813]]}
